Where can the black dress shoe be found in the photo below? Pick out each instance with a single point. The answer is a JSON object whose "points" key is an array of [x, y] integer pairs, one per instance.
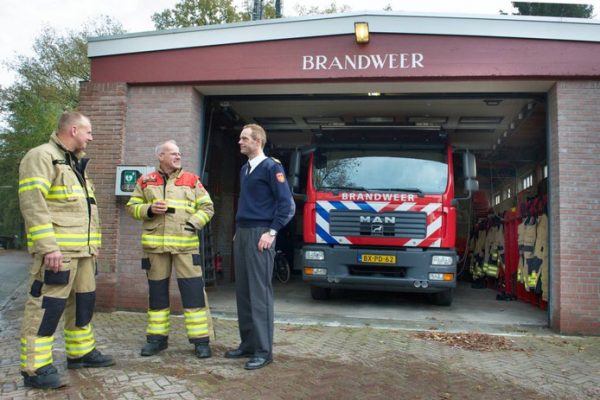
{"points": [[257, 362], [237, 353]]}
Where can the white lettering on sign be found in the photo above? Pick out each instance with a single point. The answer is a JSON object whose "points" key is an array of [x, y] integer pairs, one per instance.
{"points": [[397, 197], [363, 61]]}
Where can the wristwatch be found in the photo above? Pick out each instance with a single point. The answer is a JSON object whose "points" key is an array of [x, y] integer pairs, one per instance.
{"points": [[272, 232]]}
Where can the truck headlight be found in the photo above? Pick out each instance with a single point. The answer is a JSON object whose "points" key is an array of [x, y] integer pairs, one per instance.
{"points": [[441, 260], [314, 255]]}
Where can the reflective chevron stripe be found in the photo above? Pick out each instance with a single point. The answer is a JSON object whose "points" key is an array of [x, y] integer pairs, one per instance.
{"points": [[35, 182]]}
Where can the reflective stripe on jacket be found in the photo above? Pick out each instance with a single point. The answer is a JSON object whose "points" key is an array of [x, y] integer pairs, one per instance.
{"points": [[190, 209], [57, 201]]}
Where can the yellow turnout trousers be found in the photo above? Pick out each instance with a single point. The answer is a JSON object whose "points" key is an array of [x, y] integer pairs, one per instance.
{"points": [[197, 318], [72, 290]]}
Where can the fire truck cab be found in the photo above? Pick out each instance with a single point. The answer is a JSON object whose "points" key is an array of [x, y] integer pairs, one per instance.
{"points": [[379, 211]]}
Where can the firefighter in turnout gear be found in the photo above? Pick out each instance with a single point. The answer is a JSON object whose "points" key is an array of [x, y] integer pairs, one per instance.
{"points": [[173, 206], [63, 234]]}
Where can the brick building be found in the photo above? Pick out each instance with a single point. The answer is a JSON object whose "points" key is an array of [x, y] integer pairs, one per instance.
{"points": [[539, 78]]}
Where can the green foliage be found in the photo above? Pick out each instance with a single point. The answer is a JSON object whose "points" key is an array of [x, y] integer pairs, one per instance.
{"points": [[197, 13], [47, 84], [188, 13], [332, 8], [554, 9], [269, 11]]}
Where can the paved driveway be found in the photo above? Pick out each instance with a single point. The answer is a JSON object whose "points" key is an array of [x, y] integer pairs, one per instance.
{"points": [[348, 351]]}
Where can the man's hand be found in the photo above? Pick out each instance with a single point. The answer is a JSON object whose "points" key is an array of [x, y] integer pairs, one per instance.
{"points": [[160, 207], [265, 241], [53, 260]]}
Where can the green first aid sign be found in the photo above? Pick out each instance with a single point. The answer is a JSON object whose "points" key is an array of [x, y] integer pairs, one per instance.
{"points": [[128, 179]]}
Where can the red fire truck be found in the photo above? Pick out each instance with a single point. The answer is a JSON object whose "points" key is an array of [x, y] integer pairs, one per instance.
{"points": [[380, 211]]}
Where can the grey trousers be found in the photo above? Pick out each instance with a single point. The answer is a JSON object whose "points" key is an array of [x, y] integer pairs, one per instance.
{"points": [[254, 292]]}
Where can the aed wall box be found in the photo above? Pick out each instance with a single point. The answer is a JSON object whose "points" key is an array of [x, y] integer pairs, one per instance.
{"points": [[127, 176]]}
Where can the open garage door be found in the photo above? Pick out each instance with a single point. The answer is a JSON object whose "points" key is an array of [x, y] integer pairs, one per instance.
{"points": [[505, 130]]}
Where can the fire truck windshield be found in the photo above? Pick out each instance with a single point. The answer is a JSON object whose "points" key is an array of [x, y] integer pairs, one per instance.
{"points": [[416, 171]]}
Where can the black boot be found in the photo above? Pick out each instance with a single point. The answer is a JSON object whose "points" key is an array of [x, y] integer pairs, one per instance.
{"points": [[93, 359], [202, 350], [154, 346], [45, 377]]}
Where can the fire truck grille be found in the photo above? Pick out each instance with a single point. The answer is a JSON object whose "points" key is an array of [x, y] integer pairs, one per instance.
{"points": [[393, 224], [374, 270]]}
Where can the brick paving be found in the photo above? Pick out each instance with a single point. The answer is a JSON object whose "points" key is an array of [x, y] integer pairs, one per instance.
{"points": [[312, 361]]}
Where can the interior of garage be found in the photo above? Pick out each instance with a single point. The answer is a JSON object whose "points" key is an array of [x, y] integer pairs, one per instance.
{"points": [[506, 130]]}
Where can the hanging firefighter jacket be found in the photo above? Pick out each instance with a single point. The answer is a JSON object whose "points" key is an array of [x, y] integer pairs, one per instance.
{"points": [[477, 268], [520, 244], [538, 263], [528, 268], [494, 247], [490, 262]]}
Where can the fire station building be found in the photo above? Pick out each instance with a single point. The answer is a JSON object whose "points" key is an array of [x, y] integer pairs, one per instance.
{"points": [[522, 94]]}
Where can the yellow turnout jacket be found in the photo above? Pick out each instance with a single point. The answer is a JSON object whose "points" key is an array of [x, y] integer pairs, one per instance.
{"points": [[190, 208], [57, 201]]}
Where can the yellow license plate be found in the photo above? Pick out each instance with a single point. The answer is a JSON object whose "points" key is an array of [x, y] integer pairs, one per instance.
{"points": [[377, 259]]}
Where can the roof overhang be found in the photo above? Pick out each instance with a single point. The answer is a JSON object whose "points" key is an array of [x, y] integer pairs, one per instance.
{"points": [[563, 29]]}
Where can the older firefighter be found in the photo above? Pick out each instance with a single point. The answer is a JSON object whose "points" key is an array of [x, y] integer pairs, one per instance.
{"points": [[173, 205], [63, 235]]}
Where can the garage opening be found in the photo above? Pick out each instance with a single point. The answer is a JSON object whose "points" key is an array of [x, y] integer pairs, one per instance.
{"points": [[499, 229]]}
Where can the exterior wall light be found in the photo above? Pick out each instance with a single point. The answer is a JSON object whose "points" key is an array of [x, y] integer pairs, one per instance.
{"points": [[361, 31]]}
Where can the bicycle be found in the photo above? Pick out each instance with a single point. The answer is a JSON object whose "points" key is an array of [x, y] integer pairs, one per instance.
{"points": [[281, 267]]}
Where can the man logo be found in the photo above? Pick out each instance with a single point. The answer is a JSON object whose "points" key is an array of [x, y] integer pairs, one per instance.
{"points": [[377, 220]]}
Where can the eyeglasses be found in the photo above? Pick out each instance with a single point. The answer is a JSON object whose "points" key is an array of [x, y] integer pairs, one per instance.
{"points": [[174, 154]]}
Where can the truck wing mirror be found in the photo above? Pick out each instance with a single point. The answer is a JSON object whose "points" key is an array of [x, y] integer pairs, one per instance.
{"points": [[470, 175], [294, 171], [469, 165]]}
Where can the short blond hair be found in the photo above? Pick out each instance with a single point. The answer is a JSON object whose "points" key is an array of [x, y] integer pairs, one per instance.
{"points": [[258, 132], [70, 118]]}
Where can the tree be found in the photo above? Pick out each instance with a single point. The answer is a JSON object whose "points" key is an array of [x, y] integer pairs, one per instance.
{"points": [[268, 10], [333, 8], [188, 13], [553, 9], [197, 13], [47, 84]]}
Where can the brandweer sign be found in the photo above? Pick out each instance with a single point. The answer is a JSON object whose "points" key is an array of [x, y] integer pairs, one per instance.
{"points": [[394, 197], [363, 61]]}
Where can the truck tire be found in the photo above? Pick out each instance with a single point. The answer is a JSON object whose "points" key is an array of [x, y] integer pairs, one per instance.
{"points": [[319, 293], [442, 298]]}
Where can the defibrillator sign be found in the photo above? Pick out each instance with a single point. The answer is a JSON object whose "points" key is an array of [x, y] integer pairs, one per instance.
{"points": [[127, 177]]}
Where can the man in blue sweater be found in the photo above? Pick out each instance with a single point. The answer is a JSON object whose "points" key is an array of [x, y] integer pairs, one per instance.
{"points": [[265, 206]]}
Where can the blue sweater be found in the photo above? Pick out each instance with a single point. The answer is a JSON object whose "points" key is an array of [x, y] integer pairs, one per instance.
{"points": [[265, 197]]}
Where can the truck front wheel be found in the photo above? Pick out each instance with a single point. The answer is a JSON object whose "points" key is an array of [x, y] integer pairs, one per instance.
{"points": [[442, 298], [319, 293]]}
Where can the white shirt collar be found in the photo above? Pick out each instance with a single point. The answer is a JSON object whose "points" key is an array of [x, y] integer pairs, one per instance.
{"points": [[255, 161]]}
